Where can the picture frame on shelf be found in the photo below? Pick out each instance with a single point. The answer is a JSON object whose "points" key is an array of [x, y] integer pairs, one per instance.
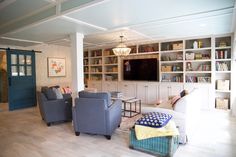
{"points": [[56, 67]]}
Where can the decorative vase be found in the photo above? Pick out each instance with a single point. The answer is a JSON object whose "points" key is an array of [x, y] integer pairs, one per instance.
{"points": [[195, 44]]}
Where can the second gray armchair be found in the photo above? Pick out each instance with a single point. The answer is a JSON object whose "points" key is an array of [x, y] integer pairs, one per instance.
{"points": [[94, 113]]}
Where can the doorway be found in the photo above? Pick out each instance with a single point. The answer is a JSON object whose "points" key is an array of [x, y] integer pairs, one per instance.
{"points": [[21, 79], [3, 82]]}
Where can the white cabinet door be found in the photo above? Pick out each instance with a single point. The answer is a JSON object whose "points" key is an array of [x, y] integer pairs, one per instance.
{"points": [[164, 91], [175, 89], [128, 89], [147, 92], [152, 93], [109, 86], [96, 85], [142, 90], [170, 89]]}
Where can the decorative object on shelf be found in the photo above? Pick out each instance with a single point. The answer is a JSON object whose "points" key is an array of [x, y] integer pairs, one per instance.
{"points": [[189, 66], [56, 67], [166, 68], [198, 56], [222, 44], [121, 49], [200, 44], [195, 44], [189, 56], [178, 46]]}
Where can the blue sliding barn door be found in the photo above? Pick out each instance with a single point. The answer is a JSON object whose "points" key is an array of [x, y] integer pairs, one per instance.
{"points": [[21, 79]]}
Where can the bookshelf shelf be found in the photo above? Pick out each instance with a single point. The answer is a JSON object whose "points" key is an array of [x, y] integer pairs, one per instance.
{"points": [[223, 71], [223, 91]]}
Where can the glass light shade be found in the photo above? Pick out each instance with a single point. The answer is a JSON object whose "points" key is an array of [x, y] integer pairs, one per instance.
{"points": [[121, 50]]}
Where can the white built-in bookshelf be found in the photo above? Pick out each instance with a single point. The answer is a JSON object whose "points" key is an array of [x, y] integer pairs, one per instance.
{"points": [[204, 60]]}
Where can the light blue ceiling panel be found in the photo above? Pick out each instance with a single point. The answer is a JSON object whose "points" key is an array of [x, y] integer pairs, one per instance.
{"points": [[49, 12], [51, 30], [120, 13], [20, 8], [196, 27], [70, 4]]}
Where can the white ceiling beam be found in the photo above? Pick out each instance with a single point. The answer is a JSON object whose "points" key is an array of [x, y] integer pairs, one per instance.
{"points": [[23, 40], [82, 23]]}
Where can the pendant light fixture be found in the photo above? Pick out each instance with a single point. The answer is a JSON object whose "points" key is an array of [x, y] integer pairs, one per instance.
{"points": [[121, 49]]}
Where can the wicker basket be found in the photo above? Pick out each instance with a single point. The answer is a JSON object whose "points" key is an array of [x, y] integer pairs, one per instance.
{"points": [[160, 146]]}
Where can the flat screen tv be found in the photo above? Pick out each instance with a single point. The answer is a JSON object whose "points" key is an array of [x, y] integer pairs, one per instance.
{"points": [[141, 69]]}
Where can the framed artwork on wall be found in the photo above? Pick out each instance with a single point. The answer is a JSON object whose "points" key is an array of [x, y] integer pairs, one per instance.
{"points": [[56, 67]]}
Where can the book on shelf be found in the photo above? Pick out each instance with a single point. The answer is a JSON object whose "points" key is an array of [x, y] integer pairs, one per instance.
{"points": [[222, 66], [204, 67], [221, 54]]}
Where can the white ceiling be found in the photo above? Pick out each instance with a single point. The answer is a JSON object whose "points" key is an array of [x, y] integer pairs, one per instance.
{"points": [[103, 21]]}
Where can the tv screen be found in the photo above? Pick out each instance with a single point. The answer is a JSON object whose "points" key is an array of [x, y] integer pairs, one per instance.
{"points": [[141, 69]]}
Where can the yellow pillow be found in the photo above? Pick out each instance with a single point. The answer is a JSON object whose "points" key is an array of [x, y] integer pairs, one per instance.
{"points": [[144, 132]]}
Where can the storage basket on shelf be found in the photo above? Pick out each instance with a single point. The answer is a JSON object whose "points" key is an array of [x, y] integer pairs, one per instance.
{"points": [[222, 103], [223, 85]]}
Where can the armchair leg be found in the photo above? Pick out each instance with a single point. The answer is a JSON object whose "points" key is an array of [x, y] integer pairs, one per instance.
{"points": [[77, 133], [48, 124], [118, 125], [108, 137]]}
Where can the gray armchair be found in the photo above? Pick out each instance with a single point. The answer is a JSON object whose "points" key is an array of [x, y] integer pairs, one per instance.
{"points": [[59, 110], [94, 113]]}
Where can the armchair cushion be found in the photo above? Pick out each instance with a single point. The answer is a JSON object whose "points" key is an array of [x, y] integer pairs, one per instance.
{"points": [[101, 95], [58, 93], [50, 94]]}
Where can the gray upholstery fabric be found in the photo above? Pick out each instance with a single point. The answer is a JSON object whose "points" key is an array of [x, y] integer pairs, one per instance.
{"points": [[58, 93], [92, 115], [50, 94], [55, 110], [100, 95]]}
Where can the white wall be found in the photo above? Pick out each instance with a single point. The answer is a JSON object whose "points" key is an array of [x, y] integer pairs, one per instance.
{"points": [[42, 78]]}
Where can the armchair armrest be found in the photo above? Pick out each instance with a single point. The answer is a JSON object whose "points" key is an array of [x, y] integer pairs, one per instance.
{"points": [[66, 96], [113, 116]]}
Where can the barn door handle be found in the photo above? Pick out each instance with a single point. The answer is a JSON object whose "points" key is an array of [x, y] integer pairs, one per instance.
{"points": [[9, 81]]}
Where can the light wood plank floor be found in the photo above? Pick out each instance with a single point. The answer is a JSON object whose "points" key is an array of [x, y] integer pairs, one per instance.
{"points": [[24, 134]]}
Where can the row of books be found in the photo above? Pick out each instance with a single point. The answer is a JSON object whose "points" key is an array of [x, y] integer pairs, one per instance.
{"points": [[204, 67], [222, 54], [172, 79], [222, 66], [199, 79]]}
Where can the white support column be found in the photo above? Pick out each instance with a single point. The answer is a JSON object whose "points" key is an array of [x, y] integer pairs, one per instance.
{"points": [[233, 76], [77, 63]]}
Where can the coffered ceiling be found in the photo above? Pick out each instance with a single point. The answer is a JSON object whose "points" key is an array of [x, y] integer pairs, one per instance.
{"points": [[30, 22]]}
